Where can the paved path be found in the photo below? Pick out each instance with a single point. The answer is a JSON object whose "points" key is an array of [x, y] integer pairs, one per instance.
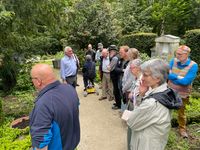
{"points": [[101, 127]]}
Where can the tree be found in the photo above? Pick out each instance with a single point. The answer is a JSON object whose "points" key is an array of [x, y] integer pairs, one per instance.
{"points": [[90, 21], [171, 16], [133, 16]]}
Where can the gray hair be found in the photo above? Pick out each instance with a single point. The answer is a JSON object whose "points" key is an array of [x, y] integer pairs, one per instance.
{"points": [[133, 53], [88, 57], [136, 62], [67, 48], [158, 69]]}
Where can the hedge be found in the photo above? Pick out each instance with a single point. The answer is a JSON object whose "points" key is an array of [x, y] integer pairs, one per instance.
{"points": [[142, 41], [192, 39]]}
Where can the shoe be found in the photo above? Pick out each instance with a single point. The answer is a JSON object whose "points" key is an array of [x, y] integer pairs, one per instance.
{"points": [[115, 108], [183, 134], [114, 104], [110, 99], [102, 98]]}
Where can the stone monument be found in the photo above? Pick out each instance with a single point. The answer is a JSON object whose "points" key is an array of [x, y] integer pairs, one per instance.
{"points": [[166, 45]]}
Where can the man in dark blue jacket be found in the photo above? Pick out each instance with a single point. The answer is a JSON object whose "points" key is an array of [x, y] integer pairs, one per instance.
{"points": [[54, 120]]}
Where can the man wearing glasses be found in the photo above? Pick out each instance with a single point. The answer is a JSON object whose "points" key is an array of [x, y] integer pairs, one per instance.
{"points": [[54, 120], [182, 73]]}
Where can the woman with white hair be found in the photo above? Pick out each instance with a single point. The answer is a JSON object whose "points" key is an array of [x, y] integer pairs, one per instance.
{"points": [[150, 121]]}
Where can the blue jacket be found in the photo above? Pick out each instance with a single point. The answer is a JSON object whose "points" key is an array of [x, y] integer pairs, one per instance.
{"points": [[54, 120]]}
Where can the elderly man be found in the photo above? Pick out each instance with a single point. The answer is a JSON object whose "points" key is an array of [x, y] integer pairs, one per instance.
{"points": [[114, 59], [182, 72], [107, 91], [54, 120], [68, 67], [90, 52], [98, 53]]}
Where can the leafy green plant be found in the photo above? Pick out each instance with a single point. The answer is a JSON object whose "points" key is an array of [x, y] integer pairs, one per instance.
{"points": [[14, 139], [17, 105], [142, 41], [24, 82]]}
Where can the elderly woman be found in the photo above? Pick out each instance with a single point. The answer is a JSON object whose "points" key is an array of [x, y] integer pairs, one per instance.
{"points": [[128, 77], [134, 99], [150, 121]]}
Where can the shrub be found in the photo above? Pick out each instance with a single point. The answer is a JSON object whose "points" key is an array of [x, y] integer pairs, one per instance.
{"points": [[8, 73], [24, 82], [14, 139], [192, 112], [1, 112], [192, 38], [142, 41]]}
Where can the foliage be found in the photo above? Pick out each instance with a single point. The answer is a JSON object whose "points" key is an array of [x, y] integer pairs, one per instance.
{"points": [[142, 41], [8, 73], [81, 56], [1, 112], [90, 21], [24, 82], [176, 142], [18, 105], [132, 16], [192, 38], [14, 139], [172, 16], [192, 112]]}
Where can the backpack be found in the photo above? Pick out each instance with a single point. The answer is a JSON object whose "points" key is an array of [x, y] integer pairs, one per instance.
{"points": [[169, 98]]}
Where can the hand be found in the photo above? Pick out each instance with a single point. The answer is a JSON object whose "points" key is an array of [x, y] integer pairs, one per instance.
{"points": [[64, 81], [108, 67], [143, 89], [130, 95]]}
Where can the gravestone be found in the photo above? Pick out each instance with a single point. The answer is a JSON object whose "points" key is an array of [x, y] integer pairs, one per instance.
{"points": [[166, 45]]}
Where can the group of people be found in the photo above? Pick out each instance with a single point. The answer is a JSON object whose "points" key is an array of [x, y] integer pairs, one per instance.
{"points": [[148, 90]]}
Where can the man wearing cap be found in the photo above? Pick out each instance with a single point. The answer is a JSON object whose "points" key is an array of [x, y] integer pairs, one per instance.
{"points": [[98, 53], [182, 73], [114, 59]]}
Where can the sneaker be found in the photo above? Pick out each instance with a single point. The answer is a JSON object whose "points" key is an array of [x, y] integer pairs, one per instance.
{"points": [[102, 98], [114, 104], [115, 107]]}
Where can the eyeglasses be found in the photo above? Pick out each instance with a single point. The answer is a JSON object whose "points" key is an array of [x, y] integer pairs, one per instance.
{"points": [[32, 78], [180, 54]]}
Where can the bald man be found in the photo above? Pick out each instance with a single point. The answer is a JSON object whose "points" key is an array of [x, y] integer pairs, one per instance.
{"points": [[54, 120]]}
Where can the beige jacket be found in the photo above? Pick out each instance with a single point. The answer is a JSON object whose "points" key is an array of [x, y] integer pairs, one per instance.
{"points": [[150, 123]]}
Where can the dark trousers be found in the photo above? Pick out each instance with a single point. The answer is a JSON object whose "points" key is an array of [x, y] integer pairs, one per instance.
{"points": [[71, 80], [116, 91], [86, 79]]}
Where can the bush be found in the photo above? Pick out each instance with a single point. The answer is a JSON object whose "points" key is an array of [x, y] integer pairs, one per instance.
{"points": [[14, 139], [18, 105], [192, 112], [1, 112], [24, 82], [142, 41], [192, 38], [8, 73]]}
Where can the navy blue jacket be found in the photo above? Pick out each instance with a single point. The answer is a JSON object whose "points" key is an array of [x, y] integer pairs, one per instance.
{"points": [[54, 120], [89, 70]]}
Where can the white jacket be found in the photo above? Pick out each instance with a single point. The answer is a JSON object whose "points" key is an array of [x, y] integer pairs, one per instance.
{"points": [[150, 123]]}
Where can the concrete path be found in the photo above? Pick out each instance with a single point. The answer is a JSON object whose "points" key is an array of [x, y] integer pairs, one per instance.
{"points": [[101, 127]]}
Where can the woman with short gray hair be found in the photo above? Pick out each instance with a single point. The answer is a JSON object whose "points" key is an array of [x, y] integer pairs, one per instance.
{"points": [[150, 121]]}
